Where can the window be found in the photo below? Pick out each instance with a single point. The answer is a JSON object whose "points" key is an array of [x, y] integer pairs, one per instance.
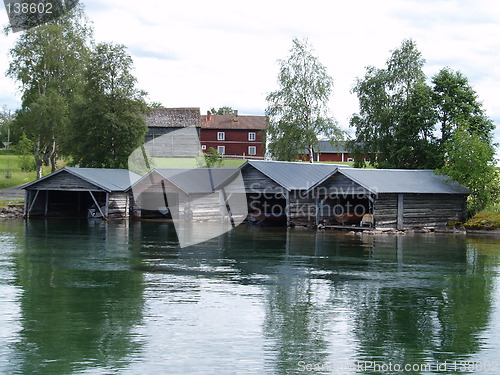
{"points": [[252, 150], [221, 149], [251, 136], [203, 147], [221, 136], [350, 160]]}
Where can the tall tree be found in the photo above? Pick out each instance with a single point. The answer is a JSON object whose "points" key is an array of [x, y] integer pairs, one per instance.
{"points": [[396, 117], [48, 63], [298, 110], [109, 122], [458, 105]]}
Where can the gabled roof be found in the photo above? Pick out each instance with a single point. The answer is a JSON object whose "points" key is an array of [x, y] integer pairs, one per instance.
{"points": [[294, 175], [106, 179], [195, 180], [173, 117], [403, 181], [228, 122]]}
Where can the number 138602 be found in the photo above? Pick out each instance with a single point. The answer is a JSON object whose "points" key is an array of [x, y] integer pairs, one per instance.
{"points": [[29, 8]]}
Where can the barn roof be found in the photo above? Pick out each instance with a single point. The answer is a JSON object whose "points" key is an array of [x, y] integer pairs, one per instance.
{"points": [[106, 179], [228, 122], [196, 180], [294, 175], [403, 181], [173, 117], [325, 147]]}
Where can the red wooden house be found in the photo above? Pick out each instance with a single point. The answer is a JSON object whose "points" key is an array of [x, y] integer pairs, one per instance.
{"points": [[233, 135]]}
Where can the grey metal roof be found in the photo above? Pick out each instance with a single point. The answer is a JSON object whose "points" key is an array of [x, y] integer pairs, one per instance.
{"points": [[107, 179], [404, 181], [326, 147], [294, 175], [197, 180]]}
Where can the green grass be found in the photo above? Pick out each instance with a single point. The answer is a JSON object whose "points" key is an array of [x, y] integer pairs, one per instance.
{"points": [[11, 173], [488, 218], [6, 203], [191, 163]]}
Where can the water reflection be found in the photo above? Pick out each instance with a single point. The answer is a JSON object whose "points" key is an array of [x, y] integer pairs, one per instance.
{"points": [[342, 300], [125, 297], [80, 301]]}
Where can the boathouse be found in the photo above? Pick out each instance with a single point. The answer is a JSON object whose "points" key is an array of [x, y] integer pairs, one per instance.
{"points": [[80, 192], [281, 192], [312, 194], [390, 198], [190, 193]]}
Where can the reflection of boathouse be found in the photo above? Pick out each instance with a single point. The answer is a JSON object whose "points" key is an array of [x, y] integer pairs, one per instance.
{"points": [[310, 194]]}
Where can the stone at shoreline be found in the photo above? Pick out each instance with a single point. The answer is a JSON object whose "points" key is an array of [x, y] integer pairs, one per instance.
{"points": [[11, 212]]}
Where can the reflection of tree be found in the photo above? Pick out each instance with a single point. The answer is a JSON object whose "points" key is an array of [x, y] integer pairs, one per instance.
{"points": [[423, 313], [80, 300], [411, 300]]}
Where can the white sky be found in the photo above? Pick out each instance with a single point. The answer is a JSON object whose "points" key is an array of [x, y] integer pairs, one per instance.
{"points": [[198, 53]]}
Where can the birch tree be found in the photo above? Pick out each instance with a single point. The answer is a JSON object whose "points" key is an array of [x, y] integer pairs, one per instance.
{"points": [[298, 110]]}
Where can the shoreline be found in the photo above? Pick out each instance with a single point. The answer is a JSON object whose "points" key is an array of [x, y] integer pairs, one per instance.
{"points": [[15, 211]]}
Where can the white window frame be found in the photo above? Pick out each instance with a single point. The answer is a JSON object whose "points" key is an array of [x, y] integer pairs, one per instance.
{"points": [[223, 148], [252, 136], [221, 136], [254, 150], [350, 160], [203, 147]]}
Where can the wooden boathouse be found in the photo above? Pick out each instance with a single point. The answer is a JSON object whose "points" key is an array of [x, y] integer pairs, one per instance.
{"points": [[80, 192], [280, 192], [313, 194], [196, 194], [399, 199]]}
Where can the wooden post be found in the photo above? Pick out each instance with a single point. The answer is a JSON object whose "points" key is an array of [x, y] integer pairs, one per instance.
{"points": [[33, 202], [106, 206], [46, 202], [27, 197], [317, 209], [97, 205], [287, 208], [399, 225]]}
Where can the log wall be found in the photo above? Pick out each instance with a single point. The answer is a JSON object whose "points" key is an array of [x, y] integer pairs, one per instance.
{"points": [[419, 210]]}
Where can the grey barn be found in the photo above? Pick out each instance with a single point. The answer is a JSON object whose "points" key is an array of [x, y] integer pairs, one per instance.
{"points": [[80, 192]]}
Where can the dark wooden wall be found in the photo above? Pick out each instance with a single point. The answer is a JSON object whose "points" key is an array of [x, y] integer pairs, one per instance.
{"points": [[256, 181], [64, 181], [419, 210]]}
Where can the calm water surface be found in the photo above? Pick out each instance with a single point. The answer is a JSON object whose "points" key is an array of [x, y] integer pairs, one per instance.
{"points": [[81, 297]]}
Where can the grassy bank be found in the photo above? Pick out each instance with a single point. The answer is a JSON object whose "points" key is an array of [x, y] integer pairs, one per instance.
{"points": [[11, 173], [486, 219]]}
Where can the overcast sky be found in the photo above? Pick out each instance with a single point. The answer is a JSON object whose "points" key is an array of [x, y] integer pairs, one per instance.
{"points": [[215, 53]]}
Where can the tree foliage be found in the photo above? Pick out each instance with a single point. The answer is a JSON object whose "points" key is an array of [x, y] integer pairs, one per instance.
{"points": [[48, 63], [396, 118], [109, 122], [470, 160], [222, 111], [457, 105], [298, 110], [404, 122]]}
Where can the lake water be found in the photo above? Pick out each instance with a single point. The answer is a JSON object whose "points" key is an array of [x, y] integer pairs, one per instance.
{"points": [[80, 297]]}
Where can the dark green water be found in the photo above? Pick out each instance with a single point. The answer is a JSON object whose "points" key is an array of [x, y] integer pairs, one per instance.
{"points": [[123, 298]]}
